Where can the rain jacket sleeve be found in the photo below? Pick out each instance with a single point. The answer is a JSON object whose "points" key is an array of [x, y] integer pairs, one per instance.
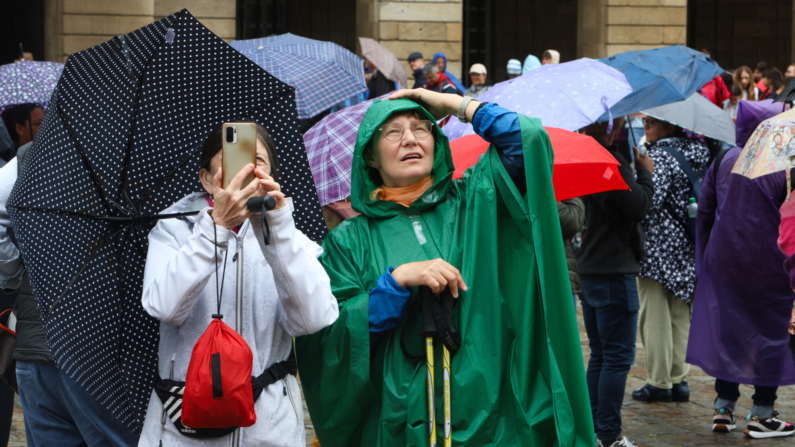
{"points": [[175, 276], [304, 287], [10, 260], [705, 219]]}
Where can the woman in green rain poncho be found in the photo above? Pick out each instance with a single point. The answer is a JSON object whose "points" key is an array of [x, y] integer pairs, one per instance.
{"points": [[494, 239]]}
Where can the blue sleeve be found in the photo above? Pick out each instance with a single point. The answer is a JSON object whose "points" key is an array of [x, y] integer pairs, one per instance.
{"points": [[388, 306], [500, 127]]}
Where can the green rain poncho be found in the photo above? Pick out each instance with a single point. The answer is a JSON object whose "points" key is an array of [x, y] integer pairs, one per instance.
{"points": [[518, 379]]}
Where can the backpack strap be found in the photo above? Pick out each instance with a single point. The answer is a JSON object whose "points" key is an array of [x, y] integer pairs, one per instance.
{"points": [[685, 165], [279, 371], [718, 160]]}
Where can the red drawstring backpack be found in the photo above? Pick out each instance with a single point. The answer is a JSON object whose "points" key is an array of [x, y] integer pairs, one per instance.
{"points": [[218, 391]]}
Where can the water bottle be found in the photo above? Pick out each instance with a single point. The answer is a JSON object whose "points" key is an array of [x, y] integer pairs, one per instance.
{"points": [[692, 208]]}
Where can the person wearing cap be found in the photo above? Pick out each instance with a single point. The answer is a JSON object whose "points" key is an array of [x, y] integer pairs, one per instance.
{"points": [[416, 62], [477, 73], [514, 68]]}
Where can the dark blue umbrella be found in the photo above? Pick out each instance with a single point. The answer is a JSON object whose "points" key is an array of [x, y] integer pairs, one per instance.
{"points": [[660, 76], [323, 73]]}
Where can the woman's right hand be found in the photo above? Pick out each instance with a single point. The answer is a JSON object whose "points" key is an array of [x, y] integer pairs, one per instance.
{"points": [[230, 204], [436, 274]]}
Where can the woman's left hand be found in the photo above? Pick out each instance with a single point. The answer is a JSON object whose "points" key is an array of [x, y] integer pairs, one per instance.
{"points": [[437, 104], [268, 184]]}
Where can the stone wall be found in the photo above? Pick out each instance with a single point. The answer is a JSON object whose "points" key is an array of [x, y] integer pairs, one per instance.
{"points": [[427, 26], [85, 23], [644, 24]]}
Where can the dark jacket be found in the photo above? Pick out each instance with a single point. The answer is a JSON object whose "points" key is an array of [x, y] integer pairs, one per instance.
{"points": [[379, 85], [572, 217], [606, 246], [419, 79], [443, 85], [31, 341]]}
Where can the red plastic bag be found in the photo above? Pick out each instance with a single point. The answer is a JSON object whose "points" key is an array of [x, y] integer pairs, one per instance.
{"points": [[218, 390]]}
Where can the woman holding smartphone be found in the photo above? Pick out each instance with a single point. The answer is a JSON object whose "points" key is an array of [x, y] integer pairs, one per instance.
{"points": [[286, 293]]}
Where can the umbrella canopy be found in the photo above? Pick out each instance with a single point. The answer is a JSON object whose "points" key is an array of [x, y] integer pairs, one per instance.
{"points": [[119, 145], [697, 114], [384, 60], [582, 166], [568, 96], [329, 148], [26, 81], [660, 76], [770, 148], [323, 73]]}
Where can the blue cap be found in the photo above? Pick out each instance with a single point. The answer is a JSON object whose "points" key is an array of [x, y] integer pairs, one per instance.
{"points": [[514, 67]]}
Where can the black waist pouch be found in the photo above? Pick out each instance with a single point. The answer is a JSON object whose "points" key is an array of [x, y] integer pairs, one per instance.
{"points": [[170, 394]]}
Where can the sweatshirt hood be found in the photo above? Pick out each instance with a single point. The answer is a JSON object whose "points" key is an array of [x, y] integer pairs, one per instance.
{"points": [[365, 179], [750, 115]]}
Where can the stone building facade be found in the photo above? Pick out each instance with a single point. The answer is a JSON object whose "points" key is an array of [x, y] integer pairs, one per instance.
{"points": [[467, 31]]}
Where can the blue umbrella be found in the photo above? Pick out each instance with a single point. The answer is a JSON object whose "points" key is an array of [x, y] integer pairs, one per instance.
{"points": [[660, 76], [569, 96], [322, 73]]}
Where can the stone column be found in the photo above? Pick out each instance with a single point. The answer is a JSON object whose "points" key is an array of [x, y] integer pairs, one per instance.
{"points": [[645, 24], [592, 28], [428, 26]]}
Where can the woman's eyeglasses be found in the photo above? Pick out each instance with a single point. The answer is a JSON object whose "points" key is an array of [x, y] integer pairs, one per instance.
{"points": [[394, 131], [648, 122]]}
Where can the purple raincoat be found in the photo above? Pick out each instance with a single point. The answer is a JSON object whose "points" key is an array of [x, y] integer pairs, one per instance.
{"points": [[743, 299]]}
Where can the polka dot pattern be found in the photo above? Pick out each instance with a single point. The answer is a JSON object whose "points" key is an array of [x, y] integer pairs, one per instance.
{"points": [[140, 108]]}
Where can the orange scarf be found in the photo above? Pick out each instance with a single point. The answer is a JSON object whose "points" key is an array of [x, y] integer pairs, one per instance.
{"points": [[405, 195]]}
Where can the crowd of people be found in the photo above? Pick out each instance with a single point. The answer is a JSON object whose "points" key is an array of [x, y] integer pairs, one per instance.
{"points": [[640, 262]]}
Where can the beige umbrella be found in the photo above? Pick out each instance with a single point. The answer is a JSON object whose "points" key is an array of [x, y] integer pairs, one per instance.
{"points": [[384, 60]]}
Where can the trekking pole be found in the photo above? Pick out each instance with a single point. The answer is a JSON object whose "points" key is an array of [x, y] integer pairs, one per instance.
{"points": [[446, 380], [431, 397]]}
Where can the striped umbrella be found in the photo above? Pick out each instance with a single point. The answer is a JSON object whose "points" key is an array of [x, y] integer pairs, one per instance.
{"points": [[322, 73], [329, 148], [28, 82]]}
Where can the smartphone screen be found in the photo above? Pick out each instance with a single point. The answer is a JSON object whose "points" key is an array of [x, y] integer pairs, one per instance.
{"points": [[240, 149]]}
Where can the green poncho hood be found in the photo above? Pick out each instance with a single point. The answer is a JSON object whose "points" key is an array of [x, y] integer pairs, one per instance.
{"points": [[518, 379], [361, 176]]}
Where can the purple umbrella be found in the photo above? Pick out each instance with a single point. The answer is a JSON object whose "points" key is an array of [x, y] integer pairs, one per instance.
{"points": [[28, 82], [568, 96], [329, 148]]}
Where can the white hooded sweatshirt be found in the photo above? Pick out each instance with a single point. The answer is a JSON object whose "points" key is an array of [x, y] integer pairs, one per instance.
{"points": [[286, 293]]}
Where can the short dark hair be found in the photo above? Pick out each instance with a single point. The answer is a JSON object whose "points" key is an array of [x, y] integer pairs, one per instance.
{"points": [[736, 90], [761, 66], [774, 75], [17, 114], [214, 143]]}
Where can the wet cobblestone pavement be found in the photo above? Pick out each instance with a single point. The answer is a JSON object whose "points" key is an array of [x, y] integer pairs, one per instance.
{"points": [[649, 425]]}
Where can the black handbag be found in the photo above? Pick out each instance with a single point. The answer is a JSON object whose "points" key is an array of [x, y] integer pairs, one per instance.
{"points": [[8, 338]]}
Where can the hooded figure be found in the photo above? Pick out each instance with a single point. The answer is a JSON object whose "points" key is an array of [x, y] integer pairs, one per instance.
{"points": [[530, 64], [517, 379], [743, 296], [458, 84]]}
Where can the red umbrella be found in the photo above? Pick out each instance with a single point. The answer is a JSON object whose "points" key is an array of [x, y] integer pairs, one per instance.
{"points": [[582, 166]]}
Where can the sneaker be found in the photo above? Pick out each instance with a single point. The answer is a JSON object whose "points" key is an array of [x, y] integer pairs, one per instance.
{"points": [[768, 428], [681, 392], [618, 442], [723, 421], [652, 394]]}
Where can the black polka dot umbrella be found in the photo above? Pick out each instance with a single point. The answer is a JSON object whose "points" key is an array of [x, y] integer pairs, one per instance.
{"points": [[118, 144]]}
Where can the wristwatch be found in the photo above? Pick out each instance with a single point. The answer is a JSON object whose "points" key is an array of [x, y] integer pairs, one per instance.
{"points": [[463, 108]]}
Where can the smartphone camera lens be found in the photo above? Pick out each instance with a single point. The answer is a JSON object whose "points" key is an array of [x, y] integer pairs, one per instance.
{"points": [[230, 134]]}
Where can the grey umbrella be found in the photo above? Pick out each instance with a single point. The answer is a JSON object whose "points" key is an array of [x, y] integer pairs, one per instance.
{"points": [[697, 114]]}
